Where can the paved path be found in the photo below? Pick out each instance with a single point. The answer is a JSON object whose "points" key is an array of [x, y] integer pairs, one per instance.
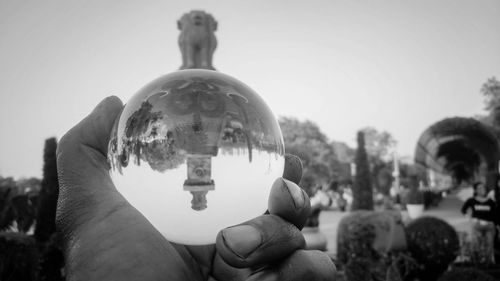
{"points": [[448, 210]]}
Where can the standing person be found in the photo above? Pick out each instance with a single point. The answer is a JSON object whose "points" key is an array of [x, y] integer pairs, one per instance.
{"points": [[492, 195], [481, 210]]}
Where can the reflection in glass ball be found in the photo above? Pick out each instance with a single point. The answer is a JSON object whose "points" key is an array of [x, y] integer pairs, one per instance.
{"points": [[196, 151]]}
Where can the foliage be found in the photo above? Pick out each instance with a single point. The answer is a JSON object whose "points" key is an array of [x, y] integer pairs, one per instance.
{"points": [[7, 183], [345, 156], [16, 205], [23, 208], [367, 242], [407, 171], [469, 127], [362, 188], [38, 256], [434, 244], [29, 184], [469, 274], [415, 196], [355, 236], [378, 144], [7, 188], [48, 194], [24, 259], [383, 179], [491, 92], [305, 140], [402, 268], [432, 198], [18, 257], [51, 260]]}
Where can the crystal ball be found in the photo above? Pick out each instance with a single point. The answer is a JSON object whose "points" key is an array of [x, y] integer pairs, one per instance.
{"points": [[196, 151]]}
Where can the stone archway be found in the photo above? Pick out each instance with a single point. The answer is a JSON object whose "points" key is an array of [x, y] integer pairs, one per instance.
{"points": [[462, 147]]}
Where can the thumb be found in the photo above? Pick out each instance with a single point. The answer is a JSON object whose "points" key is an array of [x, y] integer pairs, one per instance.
{"points": [[83, 169], [105, 237]]}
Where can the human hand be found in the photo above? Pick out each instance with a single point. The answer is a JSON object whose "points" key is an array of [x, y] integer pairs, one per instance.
{"points": [[107, 239]]}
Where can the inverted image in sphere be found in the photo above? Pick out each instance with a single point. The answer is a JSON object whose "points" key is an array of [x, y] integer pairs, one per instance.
{"points": [[196, 151]]}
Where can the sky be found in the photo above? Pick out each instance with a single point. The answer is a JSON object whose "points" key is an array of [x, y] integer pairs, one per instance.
{"points": [[395, 65]]}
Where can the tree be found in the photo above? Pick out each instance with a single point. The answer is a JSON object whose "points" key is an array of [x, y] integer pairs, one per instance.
{"points": [[345, 156], [16, 204], [32, 184], [305, 140], [362, 188], [8, 190], [491, 92], [378, 144], [49, 192]]}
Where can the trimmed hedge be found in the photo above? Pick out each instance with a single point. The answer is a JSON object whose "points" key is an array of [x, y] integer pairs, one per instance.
{"points": [[434, 244]]}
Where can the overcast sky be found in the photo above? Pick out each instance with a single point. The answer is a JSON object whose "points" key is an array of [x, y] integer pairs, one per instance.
{"points": [[395, 65]]}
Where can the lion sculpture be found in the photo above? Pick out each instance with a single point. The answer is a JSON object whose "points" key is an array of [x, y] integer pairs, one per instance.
{"points": [[197, 39]]}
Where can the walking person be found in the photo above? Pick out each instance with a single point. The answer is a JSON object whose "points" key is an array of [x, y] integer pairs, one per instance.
{"points": [[481, 210], [492, 196]]}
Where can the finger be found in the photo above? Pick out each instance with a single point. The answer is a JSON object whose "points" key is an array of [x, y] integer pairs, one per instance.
{"points": [[292, 171], [293, 168], [260, 241], [290, 202], [301, 265]]}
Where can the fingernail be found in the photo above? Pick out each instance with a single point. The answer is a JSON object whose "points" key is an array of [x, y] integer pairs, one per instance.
{"points": [[296, 193], [242, 239]]}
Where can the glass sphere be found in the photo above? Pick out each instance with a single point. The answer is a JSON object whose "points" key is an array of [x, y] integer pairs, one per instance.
{"points": [[196, 151]]}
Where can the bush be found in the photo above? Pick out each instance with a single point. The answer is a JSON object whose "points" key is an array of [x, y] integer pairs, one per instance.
{"points": [[18, 257], [51, 261], [432, 198], [469, 274], [363, 241], [434, 244], [415, 196], [355, 237]]}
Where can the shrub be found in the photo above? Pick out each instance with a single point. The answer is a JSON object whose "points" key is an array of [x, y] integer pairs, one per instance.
{"points": [[434, 244], [415, 196], [469, 274], [364, 238], [355, 237], [432, 198], [18, 257], [51, 261]]}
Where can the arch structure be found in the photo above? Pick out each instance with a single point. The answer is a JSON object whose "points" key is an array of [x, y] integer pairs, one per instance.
{"points": [[465, 148]]}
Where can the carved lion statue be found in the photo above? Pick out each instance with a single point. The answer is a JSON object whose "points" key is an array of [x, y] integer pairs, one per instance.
{"points": [[197, 39]]}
